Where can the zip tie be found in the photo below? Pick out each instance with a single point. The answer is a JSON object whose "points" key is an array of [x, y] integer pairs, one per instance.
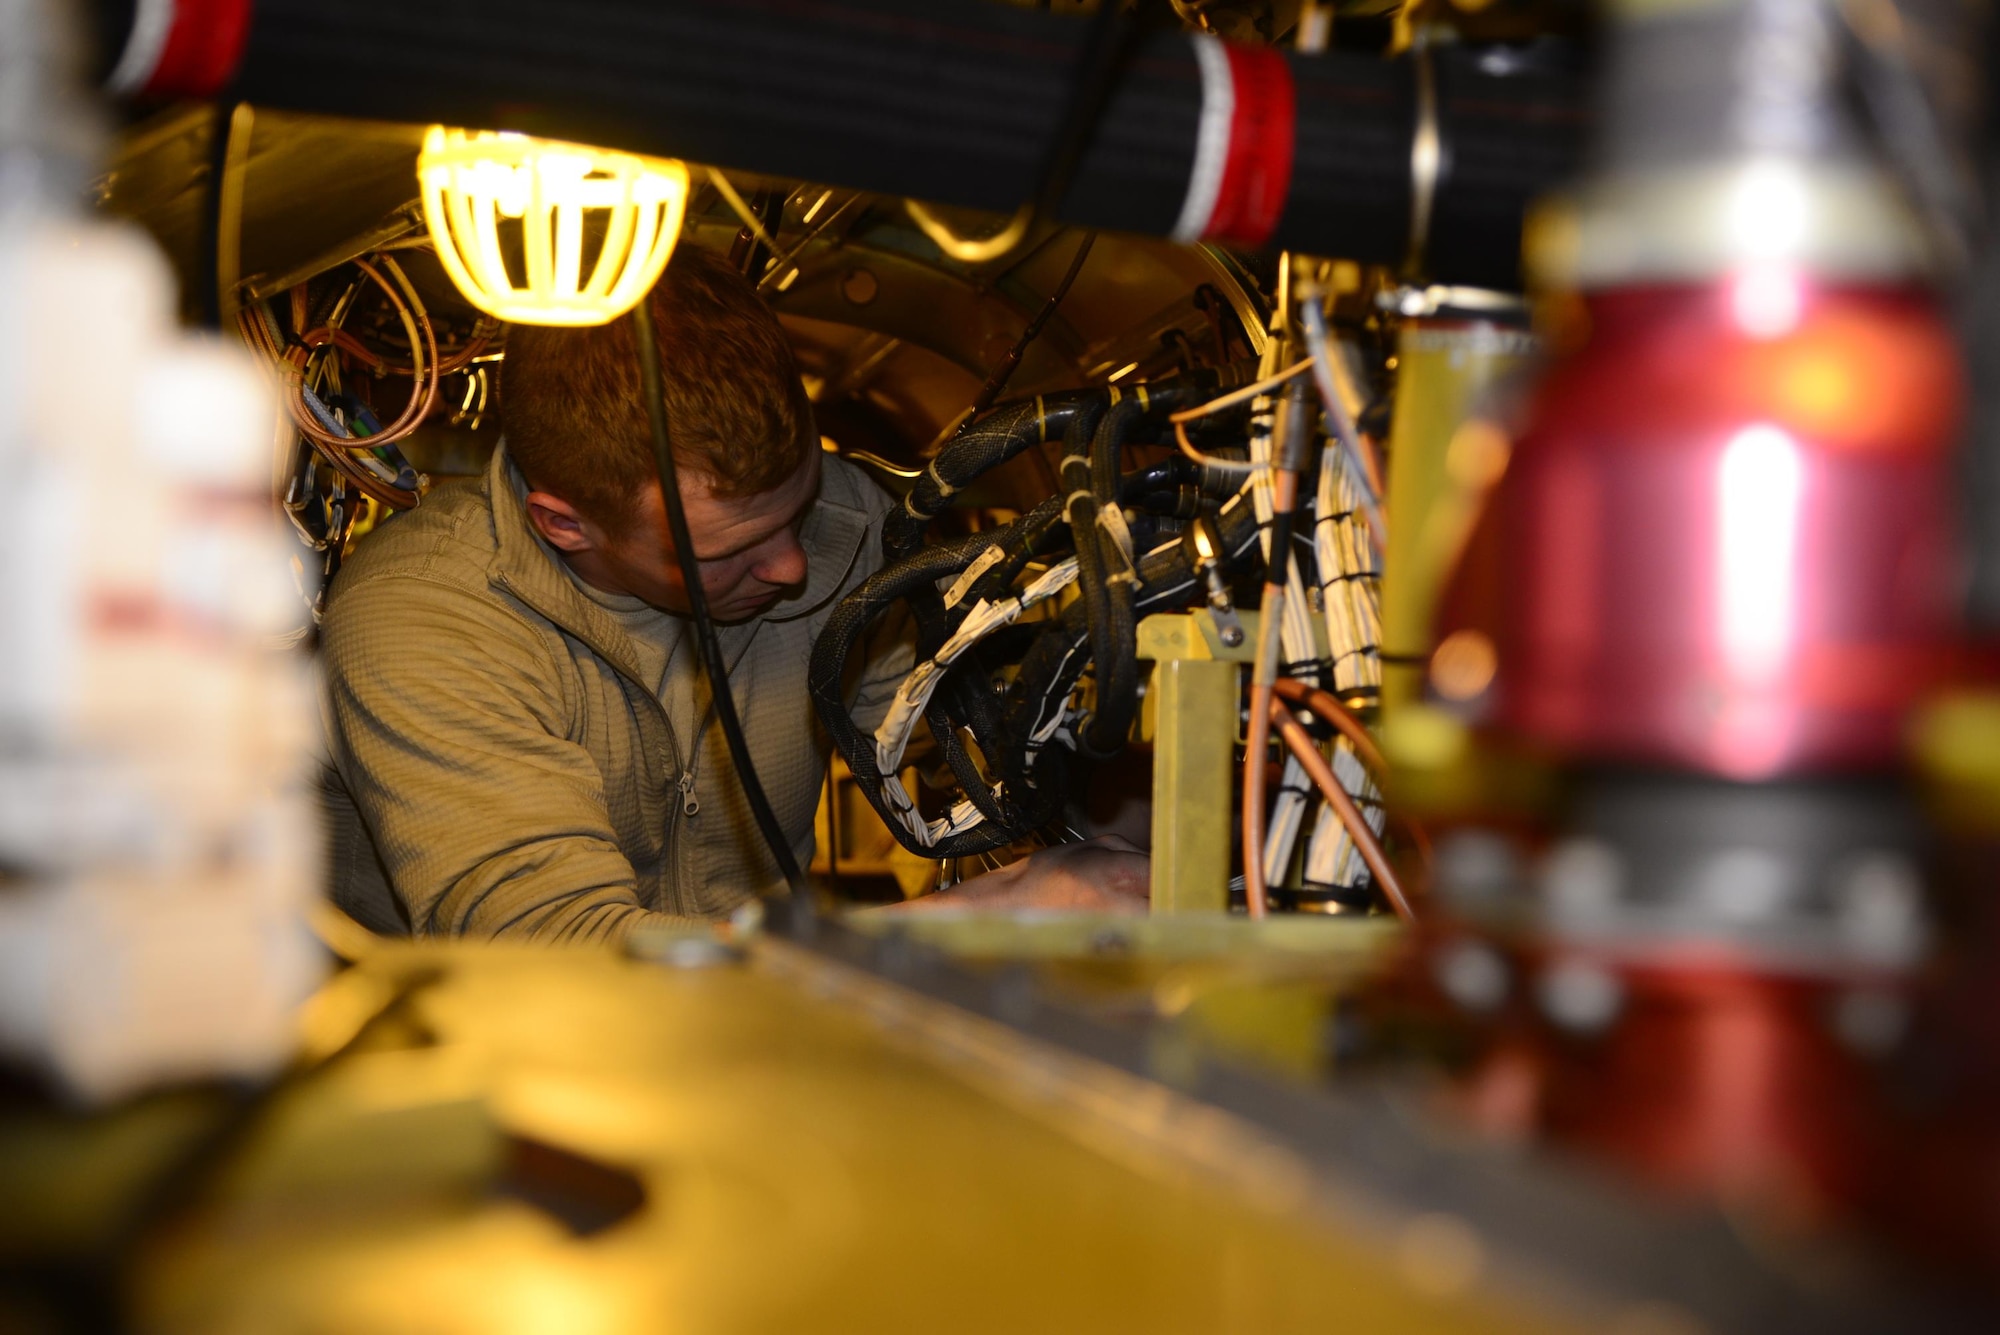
{"points": [[1111, 518], [945, 490]]}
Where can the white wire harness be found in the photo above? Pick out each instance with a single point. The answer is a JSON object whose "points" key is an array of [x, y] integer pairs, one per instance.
{"points": [[892, 738]]}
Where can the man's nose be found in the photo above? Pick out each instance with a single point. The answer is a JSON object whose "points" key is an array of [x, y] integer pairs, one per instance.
{"points": [[783, 562]]}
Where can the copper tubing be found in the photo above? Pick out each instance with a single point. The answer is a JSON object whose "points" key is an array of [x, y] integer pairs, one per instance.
{"points": [[1216, 405], [1240, 466], [426, 371], [1256, 746], [1236, 396], [336, 455], [294, 360], [460, 357], [1302, 746], [423, 393], [1331, 711]]}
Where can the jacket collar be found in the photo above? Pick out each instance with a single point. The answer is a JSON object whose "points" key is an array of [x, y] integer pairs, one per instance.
{"points": [[532, 571]]}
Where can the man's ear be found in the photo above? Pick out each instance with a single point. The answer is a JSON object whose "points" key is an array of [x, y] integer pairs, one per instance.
{"points": [[559, 522]]}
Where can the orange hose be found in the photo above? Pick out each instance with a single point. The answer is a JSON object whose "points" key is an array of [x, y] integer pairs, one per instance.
{"points": [[1322, 775]]}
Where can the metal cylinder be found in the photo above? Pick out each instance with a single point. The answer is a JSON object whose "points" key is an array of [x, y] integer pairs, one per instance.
{"points": [[1449, 361], [1726, 551]]}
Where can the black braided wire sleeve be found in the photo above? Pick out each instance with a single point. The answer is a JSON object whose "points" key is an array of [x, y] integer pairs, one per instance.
{"points": [[836, 643], [1037, 775], [1015, 784], [987, 441], [1051, 668], [984, 443], [1105, 576], [1112, 586], [965, 698]]}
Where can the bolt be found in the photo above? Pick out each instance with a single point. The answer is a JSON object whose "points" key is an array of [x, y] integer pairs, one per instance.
{"points": [[1473, 975], [1746, 885], [1878, 900], [1580, 997], [1582, 881], [1476, 869]]}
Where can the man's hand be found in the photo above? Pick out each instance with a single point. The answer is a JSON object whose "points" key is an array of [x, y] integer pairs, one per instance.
{"points": [[1104, 875]]}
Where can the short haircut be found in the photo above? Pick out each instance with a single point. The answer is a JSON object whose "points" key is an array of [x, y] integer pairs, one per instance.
{"points": [[576, 424]]}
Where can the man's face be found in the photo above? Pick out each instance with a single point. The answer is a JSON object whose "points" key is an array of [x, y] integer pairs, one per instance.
{"points": [[748, 546]]}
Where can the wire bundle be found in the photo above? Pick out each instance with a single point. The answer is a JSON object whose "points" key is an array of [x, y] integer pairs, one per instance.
{"points": [[1008, 750], [308, 364], [1001, 696]]}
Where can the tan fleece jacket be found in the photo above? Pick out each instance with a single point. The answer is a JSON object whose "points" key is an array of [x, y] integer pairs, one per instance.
{"points": [[501, 764]]}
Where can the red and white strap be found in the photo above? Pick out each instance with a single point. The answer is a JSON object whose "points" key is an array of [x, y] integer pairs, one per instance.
{"points": [[1243, 145], [181, 48]]}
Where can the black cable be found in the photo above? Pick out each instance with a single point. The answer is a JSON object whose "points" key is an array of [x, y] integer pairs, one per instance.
{"points": [[982, 443], [711, 648], [989, 393], [208, 253], [1107, 49]]}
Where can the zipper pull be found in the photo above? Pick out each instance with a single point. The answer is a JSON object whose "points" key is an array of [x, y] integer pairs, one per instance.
{"points": [[690, 805]]}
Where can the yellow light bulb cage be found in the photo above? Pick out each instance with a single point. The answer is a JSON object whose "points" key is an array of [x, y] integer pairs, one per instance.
{"points": [[478, 186]]}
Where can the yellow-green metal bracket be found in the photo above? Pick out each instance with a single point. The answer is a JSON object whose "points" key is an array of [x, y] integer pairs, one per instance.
{"points": [[1190, 713]]}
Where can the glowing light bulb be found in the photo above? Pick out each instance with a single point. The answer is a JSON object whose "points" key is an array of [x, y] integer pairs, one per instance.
{"points": [[555, 202]]}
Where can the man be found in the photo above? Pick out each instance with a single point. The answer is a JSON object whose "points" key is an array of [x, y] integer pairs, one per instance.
{"points": [[523, 740]]}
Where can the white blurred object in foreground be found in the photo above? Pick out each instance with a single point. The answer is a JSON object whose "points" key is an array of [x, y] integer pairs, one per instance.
{"points": [[157, 842]]}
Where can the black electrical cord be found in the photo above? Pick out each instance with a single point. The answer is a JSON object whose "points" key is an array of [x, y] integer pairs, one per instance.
{"points": [[989, 393], [711, 648], [1107, 49], [208, 275]]}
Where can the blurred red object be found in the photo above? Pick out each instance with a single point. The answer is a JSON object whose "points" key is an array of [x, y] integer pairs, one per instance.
{"points": [[1724, 540]]}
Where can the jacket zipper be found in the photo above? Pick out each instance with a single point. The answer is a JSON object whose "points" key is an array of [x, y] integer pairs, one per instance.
{"points": [[690, 804]]}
